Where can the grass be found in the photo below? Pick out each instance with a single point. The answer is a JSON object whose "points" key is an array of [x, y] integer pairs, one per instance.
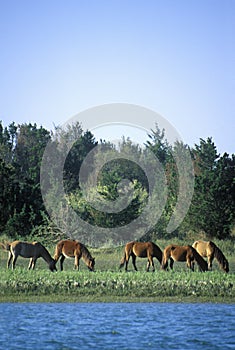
{"points": [[108, 284]]}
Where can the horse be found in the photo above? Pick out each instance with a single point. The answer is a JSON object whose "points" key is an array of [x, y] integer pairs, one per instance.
{"points": [[30, 250], [142, 250], [183, 253], [73, 249], [209, 250]]}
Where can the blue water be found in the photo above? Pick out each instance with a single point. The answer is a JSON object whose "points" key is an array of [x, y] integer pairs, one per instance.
{"points": [[117, 326]]}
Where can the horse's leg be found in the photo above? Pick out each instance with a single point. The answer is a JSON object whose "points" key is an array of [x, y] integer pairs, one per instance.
{"points": [[14, 261], [190, 265], [61, 262], [76, 262], [133, 261], [210, 259], [150, 263], [153, 264], [164, 264], [30, 263], [33, 263], [127, 257], [171, 263], [10, 256]]}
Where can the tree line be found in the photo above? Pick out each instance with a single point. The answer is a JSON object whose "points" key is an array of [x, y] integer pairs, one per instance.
{"points": [[23, 212]]}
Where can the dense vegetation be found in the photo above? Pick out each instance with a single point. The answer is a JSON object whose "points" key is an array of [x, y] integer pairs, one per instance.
{"points": [[23, 213]]}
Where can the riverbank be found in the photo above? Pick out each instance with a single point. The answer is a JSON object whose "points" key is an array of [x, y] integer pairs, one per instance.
{"points": [[22, 285]]}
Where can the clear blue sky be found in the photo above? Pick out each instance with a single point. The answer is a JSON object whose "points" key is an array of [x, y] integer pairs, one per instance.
{"points": [[175, 57]]}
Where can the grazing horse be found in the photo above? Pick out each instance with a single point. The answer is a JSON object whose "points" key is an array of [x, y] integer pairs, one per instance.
{"points": [[142, 250], [32, 250], [183, 253], [73, 249], [210, 251]]}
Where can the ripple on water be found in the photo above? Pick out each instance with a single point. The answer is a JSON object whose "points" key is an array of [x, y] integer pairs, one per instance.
{"points": [[131, 326]]}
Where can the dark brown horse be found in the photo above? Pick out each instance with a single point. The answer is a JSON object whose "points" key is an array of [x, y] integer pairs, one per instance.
{"points": [[183, 253], [209, 250], [32, 250], [142, 250], [73, 249]]}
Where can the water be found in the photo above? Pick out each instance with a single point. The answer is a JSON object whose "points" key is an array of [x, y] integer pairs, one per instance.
{"points": [[117, 326]]}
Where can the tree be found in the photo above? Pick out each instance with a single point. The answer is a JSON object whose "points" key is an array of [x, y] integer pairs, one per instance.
{"points": [[30, 145], [8, 189], [212, 207], [159, 145], [21, 150]]}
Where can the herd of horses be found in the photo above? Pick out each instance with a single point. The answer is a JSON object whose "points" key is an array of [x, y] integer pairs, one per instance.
{"points": [[190, 254]]}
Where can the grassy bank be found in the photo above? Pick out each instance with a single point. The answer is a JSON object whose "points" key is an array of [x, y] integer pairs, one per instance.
{"points": [[108, 284], [23, 285]]}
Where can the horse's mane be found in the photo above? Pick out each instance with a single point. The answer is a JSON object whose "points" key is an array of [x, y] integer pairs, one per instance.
{"points": [[5, 246], [219, 255], [158, 251], [85, 252], [199, 259]]}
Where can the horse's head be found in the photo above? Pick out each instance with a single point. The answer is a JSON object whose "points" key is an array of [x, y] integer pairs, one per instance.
{"points": [[225, 265], [52, 265], [91, 264]]}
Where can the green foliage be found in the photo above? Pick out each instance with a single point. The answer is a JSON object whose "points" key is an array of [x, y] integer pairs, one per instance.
{"points": [[212, 208], [21, 150], [118, 192]]}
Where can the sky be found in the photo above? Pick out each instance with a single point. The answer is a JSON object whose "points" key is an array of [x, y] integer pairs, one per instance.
{"points": [[175, 57]]}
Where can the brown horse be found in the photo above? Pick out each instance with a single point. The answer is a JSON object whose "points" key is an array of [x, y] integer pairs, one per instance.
{"points": [[210, 251], [32, 250], [142, 250], [73, 249], [183, 253]]}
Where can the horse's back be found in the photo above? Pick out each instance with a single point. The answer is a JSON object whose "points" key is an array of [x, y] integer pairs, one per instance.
{"points": [[26, 249], [180, 253], [67, 247], [202, 247], [168, 249], [145, 249], [177, 252], [140, 249]]}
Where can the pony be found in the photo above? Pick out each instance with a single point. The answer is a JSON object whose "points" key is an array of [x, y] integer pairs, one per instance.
{"points": [[209, 250], [30, 250], [142, 250], [183, 253], [73, 249]]}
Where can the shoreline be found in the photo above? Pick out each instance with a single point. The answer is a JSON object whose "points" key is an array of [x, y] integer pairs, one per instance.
{"points": [[111, 299]]}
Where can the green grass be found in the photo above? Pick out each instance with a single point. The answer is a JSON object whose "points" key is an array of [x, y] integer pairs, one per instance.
{"points": [[108, 284], [21, 284]]}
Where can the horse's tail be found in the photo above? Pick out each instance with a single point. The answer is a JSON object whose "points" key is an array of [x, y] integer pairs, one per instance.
{"points": [[6, 246], [127, 252], [223, 262], [58, 250], [200, 261], [123, 260], [165, 257]]}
